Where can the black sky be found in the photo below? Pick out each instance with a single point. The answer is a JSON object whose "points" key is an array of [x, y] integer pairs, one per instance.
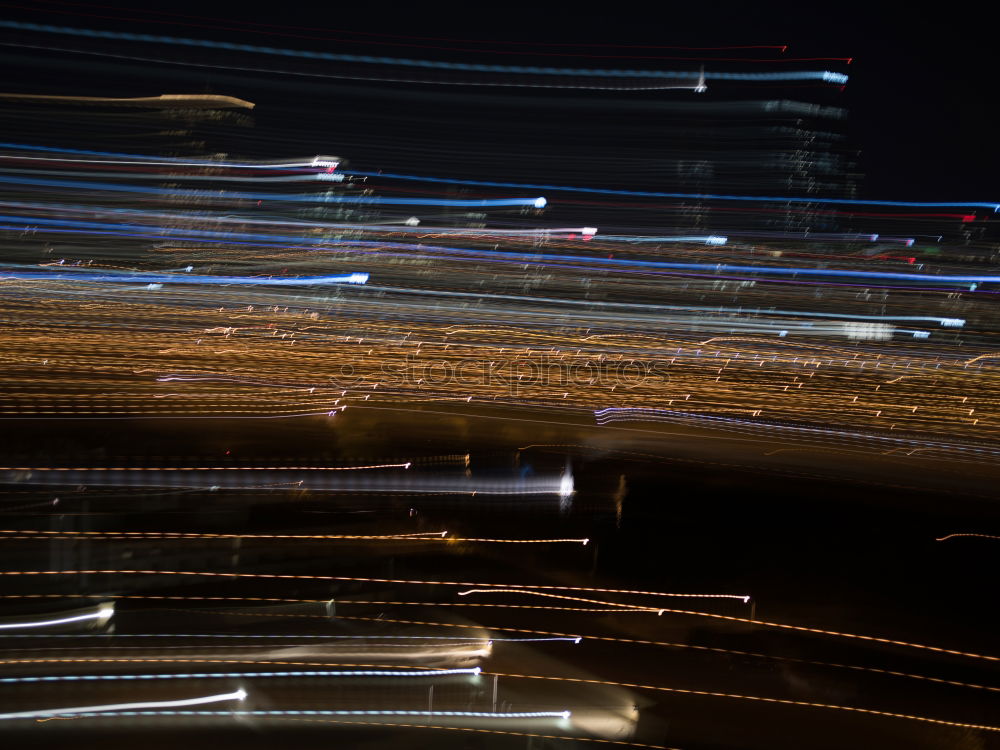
{"points": [[921, 92]]}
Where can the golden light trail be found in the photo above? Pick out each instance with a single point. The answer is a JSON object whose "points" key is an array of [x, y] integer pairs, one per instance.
{"points": [[429, 536], [270, 360]]}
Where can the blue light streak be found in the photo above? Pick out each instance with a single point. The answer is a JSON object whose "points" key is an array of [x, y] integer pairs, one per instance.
{"points": [[698, 196], [824, 76]]}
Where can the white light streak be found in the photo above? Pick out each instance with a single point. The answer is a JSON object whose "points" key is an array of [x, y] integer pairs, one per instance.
{"points": [[474, 671], [237, 695], [102, 613]]}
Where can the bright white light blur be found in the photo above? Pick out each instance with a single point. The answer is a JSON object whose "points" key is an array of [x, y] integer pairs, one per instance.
{"points": [[566, 486], [237, 695], [103, 613]]}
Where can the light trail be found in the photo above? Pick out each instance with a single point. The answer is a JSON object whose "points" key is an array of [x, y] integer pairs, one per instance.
{"points": [[197, 660], [857, 395], [155, 278], [102, 614], [624, 743], [560, 596], [278, 636], [540, 485], [114, 708], [692, 86], [969, 535], [429, 536], [564, 714], [759, 698], [474, 671], [824, 76], [335, 712], [146, 159], [124, 710], [281, 576], [229, 195], [818, 631], [607, 609], [207, 468], [685, 196], [574, 639]]}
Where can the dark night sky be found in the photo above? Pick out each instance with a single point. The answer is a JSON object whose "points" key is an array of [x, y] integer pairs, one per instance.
{"points": [[920, 95]]}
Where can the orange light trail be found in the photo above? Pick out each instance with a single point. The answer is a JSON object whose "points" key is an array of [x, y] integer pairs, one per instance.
{"points": [[968, 535], [560, 596]]}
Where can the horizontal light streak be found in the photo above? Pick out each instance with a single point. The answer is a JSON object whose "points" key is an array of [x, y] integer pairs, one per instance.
{"points": [[113, 708], [238, 675]]}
